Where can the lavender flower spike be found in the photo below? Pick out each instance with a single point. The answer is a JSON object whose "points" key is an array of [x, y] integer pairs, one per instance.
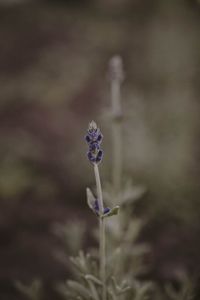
{"points": [[94, 138]]}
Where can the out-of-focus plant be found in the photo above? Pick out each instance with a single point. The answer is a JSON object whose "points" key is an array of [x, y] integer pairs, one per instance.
{"points": [[122, 262], [34, 291], [99, 277], [123, 233], [185, 291], [112, 272], [72, 233]]}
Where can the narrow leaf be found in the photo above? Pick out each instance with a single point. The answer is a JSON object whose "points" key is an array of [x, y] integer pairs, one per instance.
{"points": [[92, 286], [79, 288], [93, 278], [90, 199]]}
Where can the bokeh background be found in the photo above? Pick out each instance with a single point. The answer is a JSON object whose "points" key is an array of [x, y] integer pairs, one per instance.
{"points": [[53, 80]]}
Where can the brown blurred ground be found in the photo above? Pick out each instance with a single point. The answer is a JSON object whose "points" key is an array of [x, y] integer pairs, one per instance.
{"points": [[53, 60]]}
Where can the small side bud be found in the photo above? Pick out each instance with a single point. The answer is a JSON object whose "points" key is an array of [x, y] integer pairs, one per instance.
{"points": [[112, 212]]}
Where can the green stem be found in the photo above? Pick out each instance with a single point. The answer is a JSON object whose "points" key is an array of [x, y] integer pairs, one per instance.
{"points": [[102, 242]]}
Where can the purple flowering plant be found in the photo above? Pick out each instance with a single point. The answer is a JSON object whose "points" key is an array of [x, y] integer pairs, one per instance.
{"points": [[95, 154], [113, 274], [114, 277]]}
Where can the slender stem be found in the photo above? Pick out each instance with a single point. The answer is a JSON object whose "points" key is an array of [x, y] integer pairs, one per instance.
{"points": [[117, 77], [99, 189], [117, 156], [116, 96], [116, 133], [103, 256], [102, 241]]}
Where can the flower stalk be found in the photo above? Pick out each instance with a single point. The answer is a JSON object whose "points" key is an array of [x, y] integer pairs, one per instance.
{"points": [[95, 154], [116, 75], [102, 244]]}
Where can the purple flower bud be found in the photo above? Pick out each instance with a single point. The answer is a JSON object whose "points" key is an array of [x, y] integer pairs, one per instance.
{"points": [[96, 208], [87, 138], [100, 137], [99, 156], [106, 210], [91, 157], [96, 205], [94, 138], [94, 146]]}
